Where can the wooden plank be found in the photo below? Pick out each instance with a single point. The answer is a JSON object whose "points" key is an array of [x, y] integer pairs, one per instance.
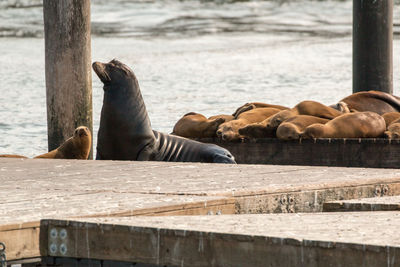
{"points": [[364, 204], [333, 239], [366, 152]]}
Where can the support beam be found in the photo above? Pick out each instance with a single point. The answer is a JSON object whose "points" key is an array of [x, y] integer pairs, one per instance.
{"points": [[68, 68], [373, 45]]}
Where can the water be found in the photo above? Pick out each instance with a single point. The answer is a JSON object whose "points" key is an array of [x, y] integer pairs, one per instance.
{"points": [[203, 56]]}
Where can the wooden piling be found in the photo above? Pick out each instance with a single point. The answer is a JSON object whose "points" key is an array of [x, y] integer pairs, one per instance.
{"points": [[373, 45], [68, 68]]}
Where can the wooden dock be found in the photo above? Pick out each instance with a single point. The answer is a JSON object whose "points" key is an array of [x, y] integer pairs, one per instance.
{"points": [[350, 152], [60, 190]]}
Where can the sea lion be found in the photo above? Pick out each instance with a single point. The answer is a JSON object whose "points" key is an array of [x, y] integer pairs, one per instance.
{"points": [[291, 128], [253, 105], [393, 131], [258, 130], [13, 156], [125, 132], [307, 107], [229, 131], [76, 147], [223, 116], [390, 117], [349, 125], [195, 125], [375, 101]]}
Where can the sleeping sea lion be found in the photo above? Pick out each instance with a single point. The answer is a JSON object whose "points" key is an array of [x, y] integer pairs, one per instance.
{"points": [[222, 116], [291, 128], [195, 125], [76, 147], [308, 107], [253, 105], [375, 101], [125, 132], [349, 125], [393, 130], [258, 130], [229, 131], [390, 117]]}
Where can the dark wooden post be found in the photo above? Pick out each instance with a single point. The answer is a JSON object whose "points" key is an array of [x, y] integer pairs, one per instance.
{"points": [[373, 45], [68, 68]]}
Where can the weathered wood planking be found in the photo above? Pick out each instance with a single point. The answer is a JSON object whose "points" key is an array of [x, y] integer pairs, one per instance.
{"points": [[37, 189], [366, 152], [330, 239], [364, 204]]}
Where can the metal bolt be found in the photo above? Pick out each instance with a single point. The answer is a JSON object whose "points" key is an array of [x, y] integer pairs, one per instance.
{"points": [[210, 212], [63, 249], [385, 190], [63, 234], [291, 200], [53, 248], [53, 233], [283, 200], [377, 191], [218, 213]]}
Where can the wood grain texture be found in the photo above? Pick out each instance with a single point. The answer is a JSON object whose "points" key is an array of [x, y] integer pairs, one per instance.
{"points": [[332, 239], [68, 68]]}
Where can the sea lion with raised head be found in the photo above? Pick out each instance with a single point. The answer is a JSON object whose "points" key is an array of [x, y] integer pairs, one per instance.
{"points": [[229, 131], [76, 147], [125, 131], [349, 125], [195, 125], [375, 101], [292, 128]]}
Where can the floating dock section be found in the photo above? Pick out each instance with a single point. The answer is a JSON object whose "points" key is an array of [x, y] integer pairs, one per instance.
{"points": [[96, 207]]}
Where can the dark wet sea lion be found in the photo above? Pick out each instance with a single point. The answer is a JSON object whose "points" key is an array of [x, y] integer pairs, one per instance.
{"points": [[229, 131], [195, 125], [292, 128], [375, 101], [125, 131], [76, 147], [349, 125]]}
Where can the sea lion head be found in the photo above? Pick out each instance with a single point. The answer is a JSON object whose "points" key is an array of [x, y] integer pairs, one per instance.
{"points": [[115, 74], [315, 130], [288, 131], [393, 131], [228, 131], [279, 117], [82, 141]]}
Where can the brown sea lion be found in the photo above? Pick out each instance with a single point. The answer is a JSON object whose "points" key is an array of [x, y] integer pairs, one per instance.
{"points": [[390, 117], [13, 156], [393, 130], [291, 128], [76, 147], [253, 105], [349, 125], [258, 130], [223, 116], [229, 131], [195, 125], [375, 101], [308, 107]]}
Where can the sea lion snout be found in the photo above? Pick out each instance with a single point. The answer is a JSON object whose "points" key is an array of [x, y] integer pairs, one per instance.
{"points": [[100, 69]]}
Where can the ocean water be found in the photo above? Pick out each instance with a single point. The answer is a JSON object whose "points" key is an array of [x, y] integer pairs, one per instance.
{"points": [[203, 56]]}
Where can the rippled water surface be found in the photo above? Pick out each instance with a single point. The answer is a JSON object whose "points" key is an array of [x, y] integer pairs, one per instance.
{"points": [[203, 56]]}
